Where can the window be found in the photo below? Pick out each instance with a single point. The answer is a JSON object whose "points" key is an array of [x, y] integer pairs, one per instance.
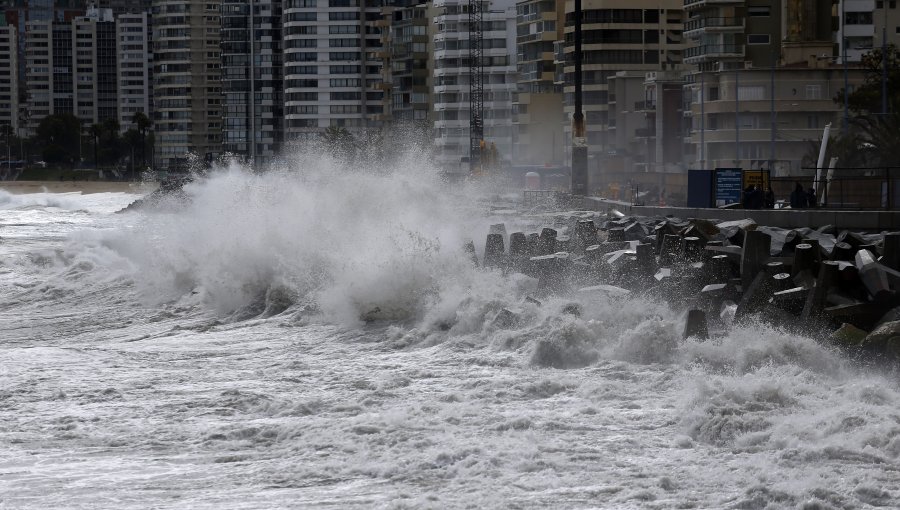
{"points": [[757, 38], [813, 92], [751, 93], [759, 10], [858, 18]]}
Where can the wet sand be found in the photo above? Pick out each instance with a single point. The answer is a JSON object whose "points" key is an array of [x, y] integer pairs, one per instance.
{"points": [[85, 187]]}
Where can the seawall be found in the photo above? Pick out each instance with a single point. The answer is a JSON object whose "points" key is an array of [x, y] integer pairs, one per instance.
{"points": [[874, 221]]}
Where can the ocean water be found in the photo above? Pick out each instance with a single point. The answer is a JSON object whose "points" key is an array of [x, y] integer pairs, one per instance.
{"points": [[317, 338]]}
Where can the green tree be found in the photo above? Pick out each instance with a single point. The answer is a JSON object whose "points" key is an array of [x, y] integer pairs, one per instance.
{"points": [[873, 137], [111, 146], [866, 99], [338, 141], [143, 124], [133, 140], [96, 130], [59, 135]]}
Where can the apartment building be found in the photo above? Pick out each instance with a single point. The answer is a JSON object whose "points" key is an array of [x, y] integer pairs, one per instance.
{"points": [[71, 68], [9, 81], [135, 54], [763, 85], [409, 72], [94, 67], [252, 79], [452, 79], [631, 36], [187, 91], [332, 67], [887, 22], [539, 117]]}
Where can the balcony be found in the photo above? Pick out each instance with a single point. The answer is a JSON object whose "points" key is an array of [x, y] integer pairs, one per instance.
{"points": [[644, 132], [645, 106], [703, 53], [695, 27], [697, 4]]}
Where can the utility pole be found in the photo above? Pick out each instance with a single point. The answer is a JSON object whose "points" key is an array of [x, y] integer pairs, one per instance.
{"points": [[702, 120], [884, 62], [772, 115], [579, 140], [846, 124], [737, 119]]}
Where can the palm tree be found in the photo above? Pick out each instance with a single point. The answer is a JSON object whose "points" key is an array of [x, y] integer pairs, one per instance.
{"points": [[143, 123], [96, 131], [338, 141]]}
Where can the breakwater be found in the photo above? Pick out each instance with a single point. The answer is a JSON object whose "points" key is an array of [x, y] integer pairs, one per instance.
{"points": [[822, 282]]}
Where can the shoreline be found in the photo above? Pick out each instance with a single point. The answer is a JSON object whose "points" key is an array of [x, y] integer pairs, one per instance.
{"points": [[84, 187]]}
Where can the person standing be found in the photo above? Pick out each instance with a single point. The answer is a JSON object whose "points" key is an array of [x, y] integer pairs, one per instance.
{"points": [[770, 198], [798, 197]]}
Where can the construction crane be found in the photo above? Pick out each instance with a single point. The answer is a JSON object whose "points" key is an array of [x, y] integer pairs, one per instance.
{"points": [[476, 85]]}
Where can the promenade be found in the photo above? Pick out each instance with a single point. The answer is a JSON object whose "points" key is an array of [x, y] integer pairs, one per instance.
{"points": [[872, 220]]}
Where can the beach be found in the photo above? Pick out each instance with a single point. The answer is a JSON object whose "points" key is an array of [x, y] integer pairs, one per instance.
{"points": [[85, 187]]}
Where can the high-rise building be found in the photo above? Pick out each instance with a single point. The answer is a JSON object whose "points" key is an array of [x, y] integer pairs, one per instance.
{"points": [[452, 78], [539, 118], [187, 93], [410, 80], [252, 79], [332, 66], [135, 53], [856, 28], [125, 6], [631, 36], [71, 68], [94, 63], [9, 70]]}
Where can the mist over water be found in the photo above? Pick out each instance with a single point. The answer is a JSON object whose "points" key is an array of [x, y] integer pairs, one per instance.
{"points": [[316, 336]]}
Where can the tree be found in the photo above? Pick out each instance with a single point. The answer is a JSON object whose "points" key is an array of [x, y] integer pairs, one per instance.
{"points": [[866, 99], [96, 130], [338, 141], [133, 139], [59, 135], [143, 124], [874, 135]]}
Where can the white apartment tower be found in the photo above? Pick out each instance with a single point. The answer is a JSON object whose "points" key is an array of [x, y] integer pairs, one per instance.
{"points": [[135, 53], [332, 66], [9, 70], [451, 79]]}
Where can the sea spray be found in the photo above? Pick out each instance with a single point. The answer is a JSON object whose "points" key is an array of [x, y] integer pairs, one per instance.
{"points": [[361, 245]]}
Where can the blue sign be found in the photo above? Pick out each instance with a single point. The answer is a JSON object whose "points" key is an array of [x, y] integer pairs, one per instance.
{"points": [[729, 185]]}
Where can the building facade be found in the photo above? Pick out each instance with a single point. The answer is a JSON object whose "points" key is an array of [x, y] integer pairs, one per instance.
{"points": [[252, 79], [9, 81], [332, 67], [452, 76], [187, 91], [762, 90], [539, 118], [409, 79], [135, 53], [634, 36]]}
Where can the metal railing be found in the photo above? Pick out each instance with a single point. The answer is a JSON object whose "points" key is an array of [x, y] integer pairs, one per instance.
{"points": [[848, 189], [714, 22], [714, 49]]}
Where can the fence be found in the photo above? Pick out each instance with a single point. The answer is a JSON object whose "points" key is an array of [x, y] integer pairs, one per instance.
{"points": [[849, 188]]}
